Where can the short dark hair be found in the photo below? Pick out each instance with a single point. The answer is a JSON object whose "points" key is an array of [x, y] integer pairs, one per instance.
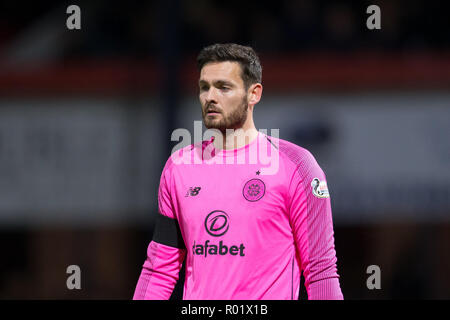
{"points": [[251, 70]]}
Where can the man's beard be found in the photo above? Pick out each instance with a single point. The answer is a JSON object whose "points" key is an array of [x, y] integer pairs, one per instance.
{"points": [[234, 120]]}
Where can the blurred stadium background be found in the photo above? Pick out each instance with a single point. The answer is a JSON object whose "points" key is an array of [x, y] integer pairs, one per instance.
{"points": [[86, 118]]}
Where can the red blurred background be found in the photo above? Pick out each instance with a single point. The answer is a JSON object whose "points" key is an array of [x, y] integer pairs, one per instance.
{"points": [[86, 118]]}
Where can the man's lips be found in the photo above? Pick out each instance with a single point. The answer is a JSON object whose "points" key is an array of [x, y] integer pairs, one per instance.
{"points": [[212, 112]]}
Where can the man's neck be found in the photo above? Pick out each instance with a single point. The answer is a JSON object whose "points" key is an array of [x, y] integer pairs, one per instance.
{"points": [[236, 139]]}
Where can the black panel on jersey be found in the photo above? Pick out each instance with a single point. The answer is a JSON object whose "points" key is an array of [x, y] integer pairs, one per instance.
{"points": [[167, 231]]}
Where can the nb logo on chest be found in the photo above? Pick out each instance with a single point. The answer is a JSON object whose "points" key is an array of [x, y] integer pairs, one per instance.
{"points": [[193, 191]]}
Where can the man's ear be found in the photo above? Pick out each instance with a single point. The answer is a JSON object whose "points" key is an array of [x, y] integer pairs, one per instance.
{"points": [[254, 93]]}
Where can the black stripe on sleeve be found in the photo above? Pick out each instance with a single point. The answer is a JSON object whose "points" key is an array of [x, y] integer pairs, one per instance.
{"points": [[167, 232]]}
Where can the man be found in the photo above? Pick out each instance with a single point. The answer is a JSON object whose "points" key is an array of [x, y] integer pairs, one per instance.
{"points": [[245, 235]]}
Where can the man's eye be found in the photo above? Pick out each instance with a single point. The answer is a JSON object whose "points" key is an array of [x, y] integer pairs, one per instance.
{"points": [[224, 88], [203, 88]]}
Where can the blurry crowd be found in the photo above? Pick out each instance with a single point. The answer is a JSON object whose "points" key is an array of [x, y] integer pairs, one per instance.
{"points": [[137, 29]]}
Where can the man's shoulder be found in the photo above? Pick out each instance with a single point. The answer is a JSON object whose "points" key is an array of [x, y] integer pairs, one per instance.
{"points": [[299, 161], [290, 151]]}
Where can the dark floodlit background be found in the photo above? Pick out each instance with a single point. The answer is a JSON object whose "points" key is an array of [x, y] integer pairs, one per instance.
{"points": [[86, 118]]}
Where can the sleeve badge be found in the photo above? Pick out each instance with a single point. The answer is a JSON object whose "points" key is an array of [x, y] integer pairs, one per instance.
{"points": [[319, 188]]}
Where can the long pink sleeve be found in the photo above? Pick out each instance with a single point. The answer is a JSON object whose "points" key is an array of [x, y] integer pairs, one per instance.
{"points": [[165, 254], [159, 272], [312, 224]]}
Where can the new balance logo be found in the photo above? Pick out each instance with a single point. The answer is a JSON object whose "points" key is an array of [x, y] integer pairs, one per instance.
{"points": [[193, 191]]}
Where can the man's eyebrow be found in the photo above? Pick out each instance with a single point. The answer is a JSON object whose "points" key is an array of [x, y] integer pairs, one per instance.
{"points": [[223, 82], [217, 83], [202, 82]]}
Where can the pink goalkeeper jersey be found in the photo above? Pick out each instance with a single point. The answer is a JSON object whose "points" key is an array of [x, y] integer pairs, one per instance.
{"points": [[246, 232]]}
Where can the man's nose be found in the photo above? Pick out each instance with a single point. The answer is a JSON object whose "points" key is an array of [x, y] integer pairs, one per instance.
{"points": [[211, 96]]}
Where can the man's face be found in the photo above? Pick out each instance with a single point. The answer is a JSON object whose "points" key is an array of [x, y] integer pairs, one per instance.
{"points": [[223, 96]]}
